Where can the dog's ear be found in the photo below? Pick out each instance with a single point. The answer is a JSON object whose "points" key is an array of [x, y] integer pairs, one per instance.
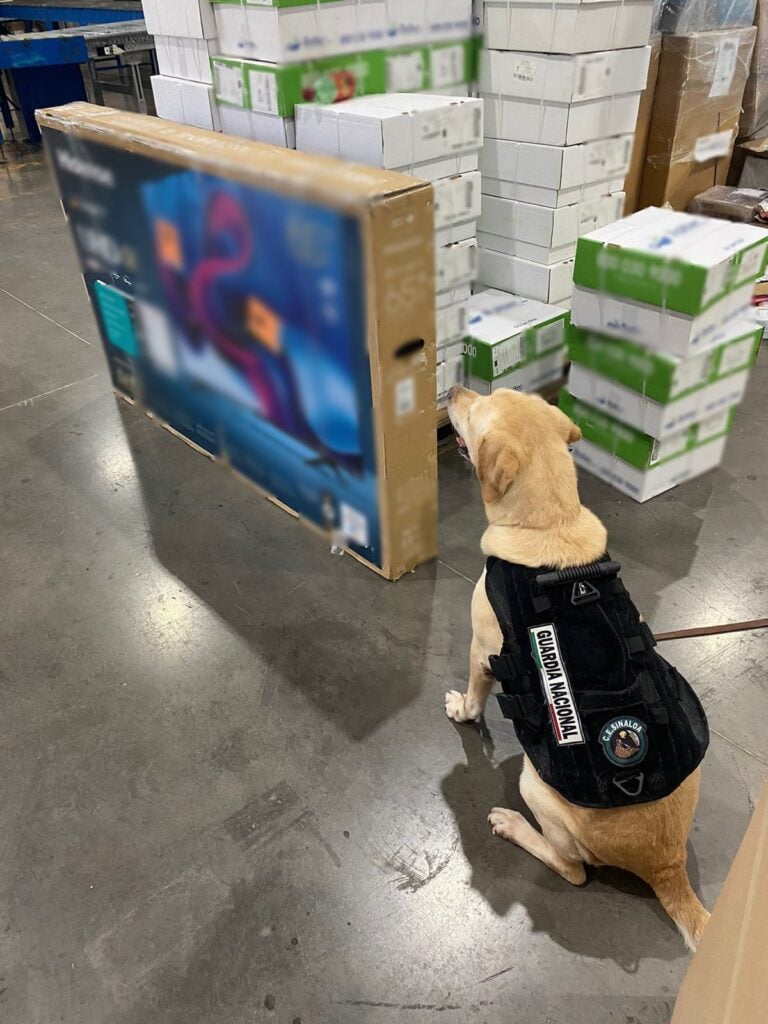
{"points": [[565, 426], [497, 466]]}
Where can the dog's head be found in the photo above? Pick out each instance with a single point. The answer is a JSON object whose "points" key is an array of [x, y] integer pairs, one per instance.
{"points": [[518, 445]]}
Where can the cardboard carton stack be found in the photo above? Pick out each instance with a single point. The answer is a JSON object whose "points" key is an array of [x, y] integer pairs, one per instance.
{"points": [[274, 54], [185, 40], [661, 345], [561, 81], [434, 138]]}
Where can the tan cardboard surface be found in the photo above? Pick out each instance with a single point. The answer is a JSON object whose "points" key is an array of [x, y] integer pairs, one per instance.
{"points": [[696, 112], [726, 981]]}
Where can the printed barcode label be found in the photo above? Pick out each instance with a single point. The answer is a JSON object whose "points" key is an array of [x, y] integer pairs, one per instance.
{"points": [[263, 92], [229, 84], [725, 67], [712, 147], [506, 355], [549, 336]]}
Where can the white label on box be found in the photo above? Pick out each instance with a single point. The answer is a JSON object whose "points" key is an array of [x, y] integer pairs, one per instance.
{"points": [[405, 396], [354, 525], [447, 66], [715, 282], [263, 92], [751, 263], [669, 446], [405, 72], [524, 70], [725, 66], [711, 147], [691, 373], [714, 425], [594, 70], [549, 336], [506, 355], [229, 84], [736, 356]]}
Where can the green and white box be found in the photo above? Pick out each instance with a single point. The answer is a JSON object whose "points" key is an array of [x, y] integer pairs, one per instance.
{"points": [[559, 100], [455, 265], [540, 233], [555, 176], [658, 376], [635, 447], [507, 331], [663, 330], [289, 33], [552, 284], [654, 418], [532, 376], [643, 484], [457, 207], [678, 261]]}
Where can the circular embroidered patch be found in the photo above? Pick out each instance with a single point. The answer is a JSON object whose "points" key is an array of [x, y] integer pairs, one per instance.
{"points": [[624, 741]]}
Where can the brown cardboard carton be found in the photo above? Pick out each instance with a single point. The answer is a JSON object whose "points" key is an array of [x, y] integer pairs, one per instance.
{"points": [[637, 161], [725, 983], [275, 309], [695, 115], [754, 118]]}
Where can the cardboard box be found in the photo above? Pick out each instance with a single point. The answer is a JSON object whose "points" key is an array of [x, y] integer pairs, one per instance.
{"points": [[451, 325], [531, 376], [507, 331], [449, 372], [657, 376], [249, 124], [291, 34], [552, 284], [298, 369], [179, 57], [428, 21], [276, 89], [560, 100], [186, 102], [637, 161], [726, 978], [695, 115], [554, 176], [395, 131], [632, 446], [652, 418], [190, 18], [455, 265], [452, 297], [677, 334], [540, 233], [643, 484], [457, 207], [746, 205], [567, 26], [675, 260], [754, 115]]}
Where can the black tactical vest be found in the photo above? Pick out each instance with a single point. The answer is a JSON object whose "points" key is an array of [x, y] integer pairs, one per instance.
{"points": [[605, 720]]}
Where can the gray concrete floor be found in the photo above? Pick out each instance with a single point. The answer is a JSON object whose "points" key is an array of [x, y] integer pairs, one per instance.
{"points": [[230, 794]]}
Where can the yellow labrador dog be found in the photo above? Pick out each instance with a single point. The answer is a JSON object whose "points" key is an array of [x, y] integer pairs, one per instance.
{"points": [[518, 445]]}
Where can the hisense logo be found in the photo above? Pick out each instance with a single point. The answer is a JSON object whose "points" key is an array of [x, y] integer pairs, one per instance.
{"points": [[83, 169]]}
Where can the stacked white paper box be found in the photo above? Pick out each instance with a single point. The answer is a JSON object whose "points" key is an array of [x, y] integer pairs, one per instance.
{"points": [[436, 138], [561, 81], [185, 41]]}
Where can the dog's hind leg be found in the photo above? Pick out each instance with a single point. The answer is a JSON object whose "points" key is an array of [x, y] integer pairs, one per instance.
{"points": [[466, 707], [512, 826]]}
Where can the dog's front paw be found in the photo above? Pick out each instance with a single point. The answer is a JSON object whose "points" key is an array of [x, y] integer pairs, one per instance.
{"points": [[458, 708], [506, 824]]}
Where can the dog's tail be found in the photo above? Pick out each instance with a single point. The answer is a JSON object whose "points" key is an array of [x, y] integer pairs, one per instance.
{"points": [[673, 888]]}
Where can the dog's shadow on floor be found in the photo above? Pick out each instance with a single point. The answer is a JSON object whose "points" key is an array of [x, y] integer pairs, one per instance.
{"points": [[614, 916]]}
